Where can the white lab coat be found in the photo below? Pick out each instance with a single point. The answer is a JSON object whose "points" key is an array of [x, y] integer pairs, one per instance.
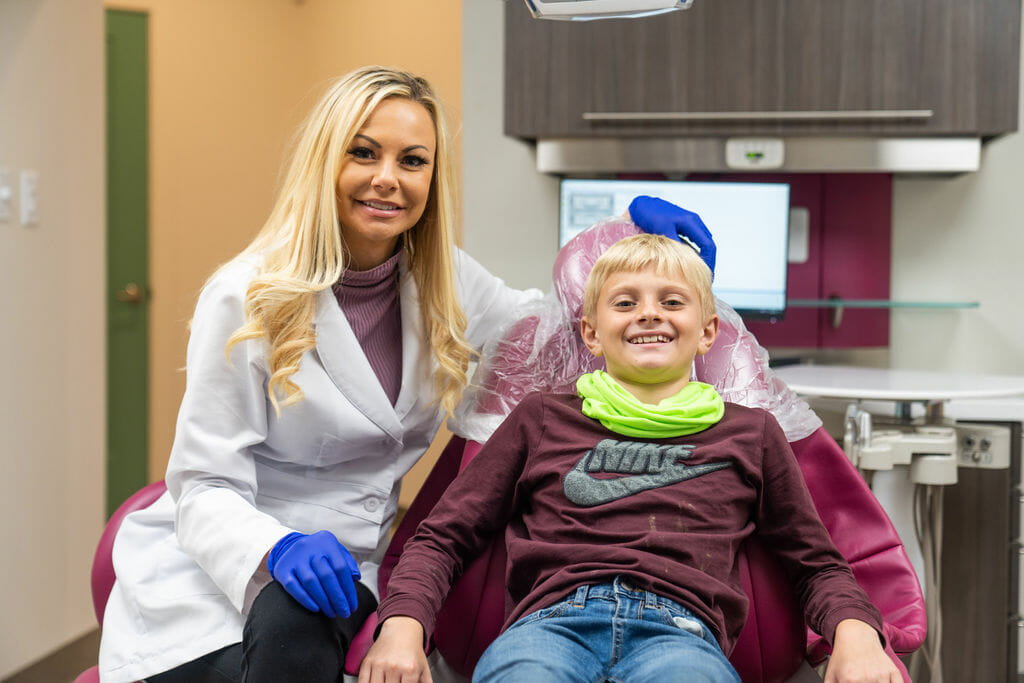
{"points": [[240, 478]]}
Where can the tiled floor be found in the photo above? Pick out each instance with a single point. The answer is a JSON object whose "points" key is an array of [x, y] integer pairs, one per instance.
{"points": [[64, 665]]}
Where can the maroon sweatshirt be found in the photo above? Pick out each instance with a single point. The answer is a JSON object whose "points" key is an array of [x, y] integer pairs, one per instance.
{"points": [[580, 504]]}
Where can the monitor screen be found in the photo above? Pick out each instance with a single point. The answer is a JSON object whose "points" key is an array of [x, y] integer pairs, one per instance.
{"points": [[749, 222]]}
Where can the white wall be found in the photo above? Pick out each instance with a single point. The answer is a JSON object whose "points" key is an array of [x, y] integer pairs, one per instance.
{"points": [[954, 239], [52, 408], [962, 239], [510, 212]]}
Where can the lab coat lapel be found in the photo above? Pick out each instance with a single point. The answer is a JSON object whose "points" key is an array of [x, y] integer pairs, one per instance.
{"points": [[345, 363], [416, 365]]}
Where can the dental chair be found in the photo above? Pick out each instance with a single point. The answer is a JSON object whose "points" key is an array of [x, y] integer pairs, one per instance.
{"points": [[542, 352]]}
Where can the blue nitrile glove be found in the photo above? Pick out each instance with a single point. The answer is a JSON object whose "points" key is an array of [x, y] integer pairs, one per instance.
{"points": [[317, 571], [659, 217]]}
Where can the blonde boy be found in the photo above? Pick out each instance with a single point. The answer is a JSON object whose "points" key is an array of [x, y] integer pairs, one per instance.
{"points": [[623, 507]]}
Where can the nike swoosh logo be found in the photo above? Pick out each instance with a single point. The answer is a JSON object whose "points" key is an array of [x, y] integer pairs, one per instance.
{"points": [[586, 491]]}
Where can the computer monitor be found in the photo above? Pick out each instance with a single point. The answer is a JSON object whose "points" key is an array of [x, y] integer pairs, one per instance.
{"points": [[749, 222]]}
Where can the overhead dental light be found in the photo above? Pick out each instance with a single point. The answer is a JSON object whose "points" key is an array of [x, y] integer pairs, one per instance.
{"points": [[584, 10]]}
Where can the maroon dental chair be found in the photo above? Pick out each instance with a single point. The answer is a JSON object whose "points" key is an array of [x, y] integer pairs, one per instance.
{"points": [[774, 642], [538, 353], [102, 563]]}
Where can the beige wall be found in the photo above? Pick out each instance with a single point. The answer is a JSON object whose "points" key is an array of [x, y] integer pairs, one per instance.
{"points": [[229, 81], [51, 411]]}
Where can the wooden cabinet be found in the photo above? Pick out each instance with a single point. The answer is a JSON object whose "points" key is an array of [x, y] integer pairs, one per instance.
{"points": [[768, 67]]}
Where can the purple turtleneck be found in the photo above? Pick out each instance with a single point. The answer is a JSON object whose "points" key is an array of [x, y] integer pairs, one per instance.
{"points": [[369, 299]]}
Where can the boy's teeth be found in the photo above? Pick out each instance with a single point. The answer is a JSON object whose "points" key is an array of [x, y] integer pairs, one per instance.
{"points": [[650, 339]]}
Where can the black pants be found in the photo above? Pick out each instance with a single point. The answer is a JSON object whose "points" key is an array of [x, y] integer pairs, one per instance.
{"points": [[281, 641]]}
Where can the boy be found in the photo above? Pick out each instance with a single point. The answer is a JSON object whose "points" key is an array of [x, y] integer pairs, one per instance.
{"points": [[623, 508]]}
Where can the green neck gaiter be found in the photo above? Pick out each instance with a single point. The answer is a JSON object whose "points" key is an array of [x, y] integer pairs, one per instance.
{"points": [[694, 409]]}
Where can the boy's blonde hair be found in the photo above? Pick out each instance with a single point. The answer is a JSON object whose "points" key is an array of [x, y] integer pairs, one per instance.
{"points": [[668, 257], [301, 251]]}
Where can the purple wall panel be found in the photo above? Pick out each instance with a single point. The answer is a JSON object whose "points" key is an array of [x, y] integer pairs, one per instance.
{"points": [[856, 256], [849, 256]]}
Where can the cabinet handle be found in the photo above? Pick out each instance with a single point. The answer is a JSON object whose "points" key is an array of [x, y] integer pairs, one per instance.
{"points": [[847, 115]]}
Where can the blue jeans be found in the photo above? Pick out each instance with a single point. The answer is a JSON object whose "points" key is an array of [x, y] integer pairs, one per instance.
{"points": [[608, 632]]}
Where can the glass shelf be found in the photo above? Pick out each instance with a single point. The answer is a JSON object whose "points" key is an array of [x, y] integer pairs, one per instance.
{"points": [[877, 303], [839, 305]]}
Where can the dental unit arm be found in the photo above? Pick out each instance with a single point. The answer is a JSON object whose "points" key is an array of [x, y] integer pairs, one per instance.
{"points": [[911, 462], [929, 450]]}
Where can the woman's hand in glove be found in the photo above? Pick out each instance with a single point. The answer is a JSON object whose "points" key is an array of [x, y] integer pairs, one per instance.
{"points": [[317, 571], [659, 217]]}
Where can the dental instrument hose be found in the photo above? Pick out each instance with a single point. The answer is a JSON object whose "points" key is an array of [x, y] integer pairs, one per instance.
{"points": [[928, 528]]}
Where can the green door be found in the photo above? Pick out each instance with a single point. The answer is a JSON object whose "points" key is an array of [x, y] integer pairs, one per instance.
{"points": [[127, 255]]}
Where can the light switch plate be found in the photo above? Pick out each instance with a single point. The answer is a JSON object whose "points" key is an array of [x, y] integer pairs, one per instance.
{"points": [[29, 198], [6, 194]]}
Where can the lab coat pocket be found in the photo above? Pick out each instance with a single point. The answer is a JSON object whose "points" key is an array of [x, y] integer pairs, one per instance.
{"points": [[151, 565], [175, 575], [354, 512], [338, 449]]}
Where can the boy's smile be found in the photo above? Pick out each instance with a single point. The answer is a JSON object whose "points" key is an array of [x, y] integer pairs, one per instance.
{"points": [[648, 327]]}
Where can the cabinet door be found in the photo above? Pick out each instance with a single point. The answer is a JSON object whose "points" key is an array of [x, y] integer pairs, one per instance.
{"points": [[778, 67], [856, 257], [848, 257], [558, 71]]}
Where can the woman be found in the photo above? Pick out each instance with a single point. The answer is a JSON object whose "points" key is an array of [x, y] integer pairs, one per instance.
{"points": [[320, 364]]}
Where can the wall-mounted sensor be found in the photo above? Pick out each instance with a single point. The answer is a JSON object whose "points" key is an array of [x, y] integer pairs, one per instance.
{"points": [[751, 153]]}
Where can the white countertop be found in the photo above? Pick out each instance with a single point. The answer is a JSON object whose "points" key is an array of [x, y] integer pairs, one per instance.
{"points": [[836, 381]]}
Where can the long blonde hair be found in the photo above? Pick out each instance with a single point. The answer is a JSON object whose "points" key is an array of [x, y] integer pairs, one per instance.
{"points": [[301, 252]]}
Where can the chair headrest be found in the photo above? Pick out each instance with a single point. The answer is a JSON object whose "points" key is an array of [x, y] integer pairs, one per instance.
{"points": [[543, 351]]}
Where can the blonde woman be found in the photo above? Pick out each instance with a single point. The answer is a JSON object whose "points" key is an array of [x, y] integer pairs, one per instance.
{"points": [[321, 362]]}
